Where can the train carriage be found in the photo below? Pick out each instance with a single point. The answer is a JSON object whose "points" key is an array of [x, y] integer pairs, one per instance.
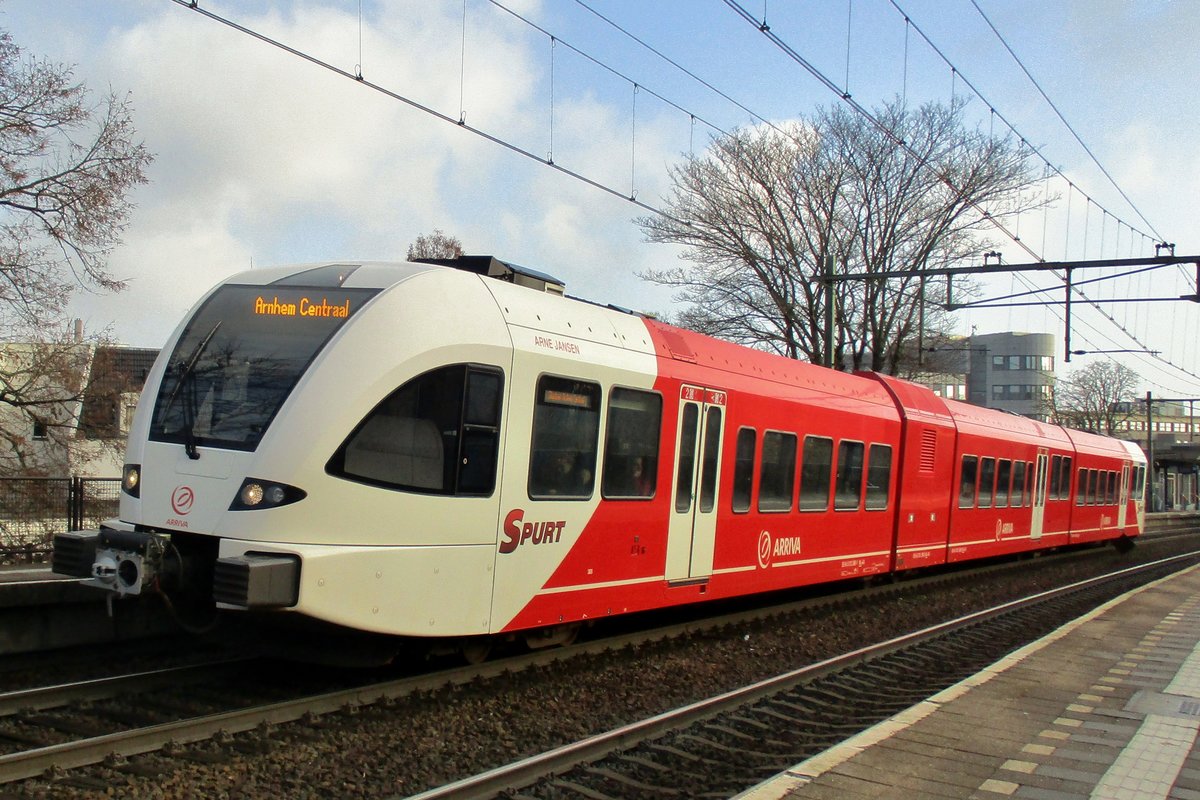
{"points": [[455, 450]]}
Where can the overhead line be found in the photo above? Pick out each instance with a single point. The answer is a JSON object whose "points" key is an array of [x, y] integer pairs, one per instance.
{"points": [[1025, 141], [458, 123], [1050, 102]]}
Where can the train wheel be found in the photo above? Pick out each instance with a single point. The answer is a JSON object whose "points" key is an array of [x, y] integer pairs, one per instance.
{"points": [[558, 636], [476, 652]]}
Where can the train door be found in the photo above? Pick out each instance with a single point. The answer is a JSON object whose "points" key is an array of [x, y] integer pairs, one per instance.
{"points": [[1123, 500], [692, 535], [1040, 478]]}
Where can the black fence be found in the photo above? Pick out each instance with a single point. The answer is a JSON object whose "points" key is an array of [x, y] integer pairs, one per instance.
{"points": [[32, 510]]}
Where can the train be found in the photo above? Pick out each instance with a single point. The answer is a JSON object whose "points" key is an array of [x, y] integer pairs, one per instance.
{"points": [[455, 450]]}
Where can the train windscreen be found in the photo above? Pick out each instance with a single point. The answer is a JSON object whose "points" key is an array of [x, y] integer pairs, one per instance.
{"points": [[239, 358]]}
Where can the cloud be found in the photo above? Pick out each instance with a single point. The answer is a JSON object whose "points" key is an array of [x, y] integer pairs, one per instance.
{"points": [[265, 158]]}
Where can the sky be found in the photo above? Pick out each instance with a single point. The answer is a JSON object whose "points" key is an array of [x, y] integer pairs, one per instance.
{"points": [[265, 158]]}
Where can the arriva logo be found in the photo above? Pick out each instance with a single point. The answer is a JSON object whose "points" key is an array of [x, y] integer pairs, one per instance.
{"points": [[182, 500], [769, 548]]}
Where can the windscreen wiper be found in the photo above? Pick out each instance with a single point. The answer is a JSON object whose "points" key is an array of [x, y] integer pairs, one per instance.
{"points": [[186, 371]]}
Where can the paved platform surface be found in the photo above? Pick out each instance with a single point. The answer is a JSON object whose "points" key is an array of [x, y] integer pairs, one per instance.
{"points": [[1106, 707]]}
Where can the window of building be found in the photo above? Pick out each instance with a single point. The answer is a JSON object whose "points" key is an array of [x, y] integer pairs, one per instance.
{"points": [[631, 444], [815, 466], [777, 474]]}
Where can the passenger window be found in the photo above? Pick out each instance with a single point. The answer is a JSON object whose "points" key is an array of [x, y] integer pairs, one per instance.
{"points": [[1003, 478], [1030, 474], [1018, 484], [743, 470], [966, 482], [848, 483], [631, 444], [1057, 486], [815, 466], [879, 476], [1081, 488], [439, 433], [1093, 481], [1065, 480], [777, 475], [1112, 488], [566, 422], [987, 481]]}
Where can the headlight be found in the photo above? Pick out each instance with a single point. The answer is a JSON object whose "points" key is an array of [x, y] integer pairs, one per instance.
{"points": [[131, 480], [256, 494]]}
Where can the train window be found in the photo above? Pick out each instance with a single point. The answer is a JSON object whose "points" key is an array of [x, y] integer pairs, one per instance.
{"points": [[1065, 480], [686, 473], [1030, 475], [710, 466], [1081, 488], [987, 482], [1017, 498], [438, 433], [815, 467], [879, 476], [1139, 483], [743, 470], [1003, 480], [847, 492], [1112, 488], [480, 441], [967, 481], [631, 444], [777, 474], [566, 422], [1057, 489]]}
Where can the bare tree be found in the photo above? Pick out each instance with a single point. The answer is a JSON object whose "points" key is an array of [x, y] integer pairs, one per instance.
{"points": [[68, 166], [760, 211], [1096, 397], [435, 245]]}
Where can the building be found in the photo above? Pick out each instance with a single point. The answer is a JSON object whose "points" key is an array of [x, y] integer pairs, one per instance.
{"points": [[70, 407], [1006, 371]]}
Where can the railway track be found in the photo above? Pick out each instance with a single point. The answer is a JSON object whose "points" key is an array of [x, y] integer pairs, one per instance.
{"points": [[726, 744], [166, 712]]}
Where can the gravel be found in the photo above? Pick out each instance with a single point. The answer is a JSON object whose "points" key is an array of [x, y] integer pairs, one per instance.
{"points": [[402, 747]]}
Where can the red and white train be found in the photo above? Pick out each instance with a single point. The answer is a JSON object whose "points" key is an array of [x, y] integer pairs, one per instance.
{"points": [[456, 450]]}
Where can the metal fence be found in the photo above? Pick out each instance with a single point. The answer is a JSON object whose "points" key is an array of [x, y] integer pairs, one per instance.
{"points": [[32, 510]]}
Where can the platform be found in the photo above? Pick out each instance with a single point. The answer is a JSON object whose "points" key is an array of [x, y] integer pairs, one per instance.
{"points": [[1106, 707]]}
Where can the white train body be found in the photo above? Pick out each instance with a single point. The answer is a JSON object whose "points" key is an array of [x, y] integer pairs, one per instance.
{"points": [[399, 562]]}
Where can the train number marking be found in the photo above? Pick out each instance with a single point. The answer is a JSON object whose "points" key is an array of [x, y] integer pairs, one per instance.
{"points": [[517, 532]]}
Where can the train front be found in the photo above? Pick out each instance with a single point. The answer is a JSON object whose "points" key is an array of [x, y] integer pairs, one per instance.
{"points": [[211, 398]]}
